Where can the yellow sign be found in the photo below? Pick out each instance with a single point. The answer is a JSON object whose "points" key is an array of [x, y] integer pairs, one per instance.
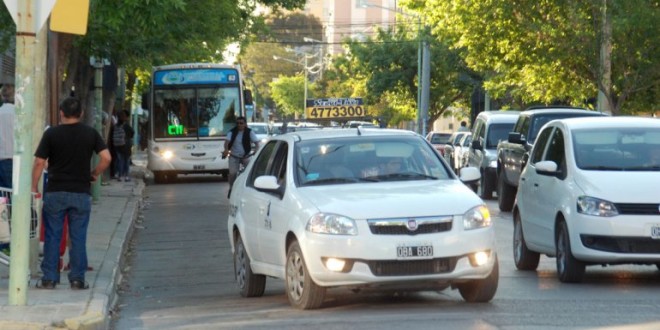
{"points": [[70, 16], [335, 108]]}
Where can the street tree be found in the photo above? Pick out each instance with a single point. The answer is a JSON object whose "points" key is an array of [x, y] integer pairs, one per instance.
{"points": [[288, 94], [390, 62], [550, 51], [280, 35]]}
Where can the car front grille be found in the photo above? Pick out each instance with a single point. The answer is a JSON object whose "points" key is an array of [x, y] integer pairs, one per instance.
{"points": [[411, 267], [638, 209], [622, 244], [412, 226]]}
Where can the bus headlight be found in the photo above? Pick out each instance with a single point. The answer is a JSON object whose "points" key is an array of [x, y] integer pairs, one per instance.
{"points": [[167, 154]]}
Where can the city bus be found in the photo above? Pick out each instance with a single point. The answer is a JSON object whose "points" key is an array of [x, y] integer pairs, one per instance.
{"points": [[192, 107]]}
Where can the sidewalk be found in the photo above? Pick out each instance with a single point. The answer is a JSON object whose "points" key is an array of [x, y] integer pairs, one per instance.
{"points": [[110, 227]]}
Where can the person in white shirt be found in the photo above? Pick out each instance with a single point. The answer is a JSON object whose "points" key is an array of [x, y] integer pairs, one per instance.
{"points": [[463, 127], [7, 115]]}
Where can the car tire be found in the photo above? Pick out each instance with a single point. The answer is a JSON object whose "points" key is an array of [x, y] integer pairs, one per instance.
{"points": [[481, 291], [506, 194], [569, 269], [524, 258], [301, 290], [486, 186], [250, 284]]}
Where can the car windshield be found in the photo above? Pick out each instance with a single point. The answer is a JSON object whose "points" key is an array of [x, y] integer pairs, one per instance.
{"points": [[366, 159], [617, 149], [440, 138], [497, 133]]}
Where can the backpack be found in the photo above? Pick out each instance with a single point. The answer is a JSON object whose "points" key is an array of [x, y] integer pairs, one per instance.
{"points": [[119, 135]]}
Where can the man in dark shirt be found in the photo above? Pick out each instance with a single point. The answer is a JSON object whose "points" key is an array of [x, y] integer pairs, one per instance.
{"points": [[68, 149]]}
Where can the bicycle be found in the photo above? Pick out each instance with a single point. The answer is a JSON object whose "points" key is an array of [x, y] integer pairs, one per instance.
{"points": [[242, 164]]}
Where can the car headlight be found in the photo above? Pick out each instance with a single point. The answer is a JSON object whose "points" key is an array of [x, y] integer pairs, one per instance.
{"points": [[333, 224], [477, 217], [595, 206]]}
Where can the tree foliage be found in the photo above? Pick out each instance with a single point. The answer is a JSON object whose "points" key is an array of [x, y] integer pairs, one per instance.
{"points": [[288, 94], [549, 51]]}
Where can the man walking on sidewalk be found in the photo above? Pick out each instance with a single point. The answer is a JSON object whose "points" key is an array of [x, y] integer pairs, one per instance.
{"points": [[68, 149]]}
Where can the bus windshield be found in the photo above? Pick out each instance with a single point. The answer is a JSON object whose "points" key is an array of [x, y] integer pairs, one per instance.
{"points": [[195, 112]]}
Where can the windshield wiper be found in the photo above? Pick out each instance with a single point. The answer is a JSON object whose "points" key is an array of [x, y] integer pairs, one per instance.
{"points": [[331, 180], [406, 176], [603, 168], [643, 168]]}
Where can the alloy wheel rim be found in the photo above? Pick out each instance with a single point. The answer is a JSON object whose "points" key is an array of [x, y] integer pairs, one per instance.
{"points": [[295, 276], [517, 241], [240, 268], [561, 253]]}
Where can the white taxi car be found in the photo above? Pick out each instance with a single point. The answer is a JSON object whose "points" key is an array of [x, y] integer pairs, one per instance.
{"points": [[590, 195], [359, 208]]}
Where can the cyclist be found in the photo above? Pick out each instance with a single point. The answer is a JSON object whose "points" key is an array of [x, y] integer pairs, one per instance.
{"points": [[237, 146]]}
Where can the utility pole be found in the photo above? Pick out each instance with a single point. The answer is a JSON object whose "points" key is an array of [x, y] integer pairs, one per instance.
{"points": [[97, 63], [21, 214], [426, 82]]}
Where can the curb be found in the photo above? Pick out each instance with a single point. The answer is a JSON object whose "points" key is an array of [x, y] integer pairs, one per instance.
{"points": [[104, 297]]}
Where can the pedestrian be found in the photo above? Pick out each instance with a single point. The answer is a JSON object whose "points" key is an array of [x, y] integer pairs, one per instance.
{"points": [[463, 127], [7, 117], [122, 136], [238, 151], [68, 149]]}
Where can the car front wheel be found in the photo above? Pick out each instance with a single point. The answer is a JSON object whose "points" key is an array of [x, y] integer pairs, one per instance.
{"points": [[479, 291], [301, 290], [250, 284], [524, 258], [506, 194], [569, 269]]}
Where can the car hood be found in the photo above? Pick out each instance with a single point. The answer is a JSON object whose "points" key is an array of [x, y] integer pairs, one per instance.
{"points": [[393, 199], [620, 186]]}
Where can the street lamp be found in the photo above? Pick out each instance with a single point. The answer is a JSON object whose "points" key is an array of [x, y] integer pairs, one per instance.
{"points": [[422, 58]]}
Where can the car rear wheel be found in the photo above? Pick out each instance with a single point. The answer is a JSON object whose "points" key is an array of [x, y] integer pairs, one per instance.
{"points": [[569, 269], [524, 258], [301, 290], [250, 284], [506, 194], [479, 291]]}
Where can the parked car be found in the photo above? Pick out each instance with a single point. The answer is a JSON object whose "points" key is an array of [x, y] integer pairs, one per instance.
{"points": [[454, 140], [512, 154], [378, 209], [490, 127], [462, 152], [438, 140], [261, 130], [589, 195]]}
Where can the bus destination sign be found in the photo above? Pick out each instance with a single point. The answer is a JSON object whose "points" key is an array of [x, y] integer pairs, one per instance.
{"points": [[335, 108]]}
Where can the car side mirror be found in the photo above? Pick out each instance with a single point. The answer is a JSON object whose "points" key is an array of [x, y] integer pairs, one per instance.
{"points": [[247, 97], [516, 137], [268, 184], [547, 167]]}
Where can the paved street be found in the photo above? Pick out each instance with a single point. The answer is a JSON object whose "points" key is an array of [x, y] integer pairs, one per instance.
{"points": [[180, 275]]}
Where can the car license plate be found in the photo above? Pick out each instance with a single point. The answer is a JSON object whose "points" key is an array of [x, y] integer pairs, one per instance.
{"points": [[198, 167], [414, 251], [655, 231]]}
